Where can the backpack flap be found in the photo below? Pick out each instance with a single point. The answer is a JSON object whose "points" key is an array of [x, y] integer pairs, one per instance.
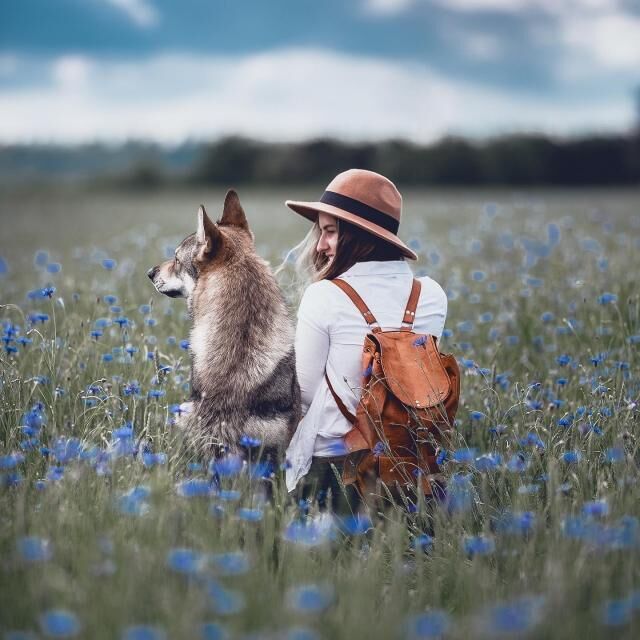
{"points": [[413, 369]]}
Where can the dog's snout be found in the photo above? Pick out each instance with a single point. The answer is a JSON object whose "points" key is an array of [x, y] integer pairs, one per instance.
{"points": [[152, 272]]}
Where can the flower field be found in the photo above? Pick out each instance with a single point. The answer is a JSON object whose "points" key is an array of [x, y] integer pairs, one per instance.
{"points": [[110, 528]]}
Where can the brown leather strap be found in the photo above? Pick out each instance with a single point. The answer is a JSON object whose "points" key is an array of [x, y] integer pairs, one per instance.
{"points": [[412, 305], [343, 409], [369, 318]]}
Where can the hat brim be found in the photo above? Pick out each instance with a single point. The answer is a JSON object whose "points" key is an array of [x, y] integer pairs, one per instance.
{"points": [[310, 210]]}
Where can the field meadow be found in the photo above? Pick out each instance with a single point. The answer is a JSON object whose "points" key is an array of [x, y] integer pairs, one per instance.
{"points": [[109, 528]]}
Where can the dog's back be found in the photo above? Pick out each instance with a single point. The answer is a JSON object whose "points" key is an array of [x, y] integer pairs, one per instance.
{"points": [[243, 363]]}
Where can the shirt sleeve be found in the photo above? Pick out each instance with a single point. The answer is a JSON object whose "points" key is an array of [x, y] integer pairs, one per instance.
{"points": [[312, 341]]}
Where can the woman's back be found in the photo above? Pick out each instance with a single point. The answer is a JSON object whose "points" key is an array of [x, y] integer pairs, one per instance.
{"points": [[331, 330]]}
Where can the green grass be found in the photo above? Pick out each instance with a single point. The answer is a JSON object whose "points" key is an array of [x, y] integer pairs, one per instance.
{"points": [[110, 568]]}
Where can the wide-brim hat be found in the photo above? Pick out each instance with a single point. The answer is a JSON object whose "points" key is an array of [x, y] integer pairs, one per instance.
{"points": [[365, 199]]}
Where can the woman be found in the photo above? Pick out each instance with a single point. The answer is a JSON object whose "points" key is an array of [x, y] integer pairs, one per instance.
{"points": [[354, 237]]}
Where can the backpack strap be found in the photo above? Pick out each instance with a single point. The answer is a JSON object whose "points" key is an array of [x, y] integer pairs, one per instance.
{"points": [[369, 318], [343, 409], [412, 304]]}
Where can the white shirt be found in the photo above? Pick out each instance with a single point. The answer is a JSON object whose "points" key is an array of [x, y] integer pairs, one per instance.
{"points": [[330, 335]]}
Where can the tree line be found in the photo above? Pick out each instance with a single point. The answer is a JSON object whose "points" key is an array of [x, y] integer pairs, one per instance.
{"points": [[514, 160]]}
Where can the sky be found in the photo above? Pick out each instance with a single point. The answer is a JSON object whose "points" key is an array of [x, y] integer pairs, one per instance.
{"points": [[77, 71]]}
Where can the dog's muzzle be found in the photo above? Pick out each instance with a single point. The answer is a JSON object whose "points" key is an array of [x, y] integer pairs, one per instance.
{"points": [[153, 272]]}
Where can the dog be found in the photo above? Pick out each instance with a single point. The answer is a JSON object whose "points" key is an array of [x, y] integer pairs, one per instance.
{"points": [[243, 375]]}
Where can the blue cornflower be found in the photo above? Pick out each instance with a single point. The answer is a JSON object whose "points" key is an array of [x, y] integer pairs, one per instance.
{"points": [[614, 455], [516, 522], [96, 333], [194, 487], [517, 463], [310, 598], [418, 342], [532, 439], [144, 309], [563, 359], [66, 449], [55, 473], [229, 466], [479, 545], [34, 549], [514, 618], [615, 613], [184, 344], [107, 357], [153, 459], [433, 624], [122, 321], [213, 631], [59, 623], [441, 456], [54, 267], [11, 460], [130, 349], [132, 388], [233, 563], [607, 298], [229, 495], [460, 493], [488, 462], [109, 264], [571, 457], [48, 291], [528, 489], [156, 393], [124, 432], [464, 455], [249, 442], [423, 542], [144, 632], [132, 503], [566, 420], [250, 515], [378, 449], [225, 601], [596, 508], [184, 560], [476, 415]]}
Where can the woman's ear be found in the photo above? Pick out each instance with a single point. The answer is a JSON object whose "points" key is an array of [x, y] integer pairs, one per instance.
{"points": [[207, 235]]}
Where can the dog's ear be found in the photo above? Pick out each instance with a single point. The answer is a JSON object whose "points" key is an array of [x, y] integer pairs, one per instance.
{"points": [[206, 235], [233, 213]]}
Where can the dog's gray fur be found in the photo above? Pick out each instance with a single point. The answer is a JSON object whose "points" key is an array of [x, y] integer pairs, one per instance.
{"points": [[243, 375]]}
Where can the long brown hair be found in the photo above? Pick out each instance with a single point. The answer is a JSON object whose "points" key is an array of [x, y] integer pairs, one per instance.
{"points": [[354, 245]]}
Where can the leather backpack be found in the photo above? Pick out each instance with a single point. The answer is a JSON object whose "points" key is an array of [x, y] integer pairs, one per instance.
{"points": [[410, 394]]}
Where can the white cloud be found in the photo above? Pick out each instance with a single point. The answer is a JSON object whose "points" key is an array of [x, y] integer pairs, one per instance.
{"points": [[141, 12], [387, 7], [272, 96], [71, 72], [506, 6], [611, 40]]}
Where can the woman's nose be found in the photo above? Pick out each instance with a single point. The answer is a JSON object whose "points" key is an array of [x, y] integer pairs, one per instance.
{"points": [[322, 244]]}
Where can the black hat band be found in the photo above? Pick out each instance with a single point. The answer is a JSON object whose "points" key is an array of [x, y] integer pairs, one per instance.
{"points": [[360, 209]]}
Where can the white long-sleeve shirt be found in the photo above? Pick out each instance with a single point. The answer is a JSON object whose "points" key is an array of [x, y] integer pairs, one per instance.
{"points": [[330, 336]]}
